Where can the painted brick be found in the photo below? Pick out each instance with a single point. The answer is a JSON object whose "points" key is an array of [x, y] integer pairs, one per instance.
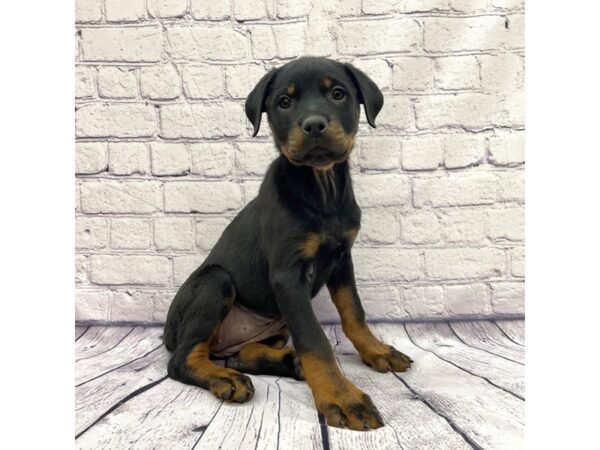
{"points": [[378, 36], [423, 301], [183, 266], [381, 190], [115, 120], [463, 263], [173, 233], [515, 34], [377, 69], [380, 152], [508, 223], [189, 43], [389, 264], [127, 306], [208, 232], [467, 300], [511, 186], [501, 72], [203, 81], [396, 114], [463, 225], [117, 82], [420, 227], [412, 73], [457, 72], [120, 11], [141, 197], [453, 34], [202, 197], [425, 5], [250, 9], [170, 159], [90, 157], [126, 44], [242, 78], [128, 158], [254, 158], [517, 262], [507, 149], [91, 232], [166, 8], [422, 153], [203, 10], [81, 269], [463, 150], [379, 227], [85, 82], [160, 82], [212, 159], [382, 6], [292, 8], [278, 41], [201, 120], [130, 233], [457, 189], [91, 305], [88, 10], [508, 298], [130, 269]]}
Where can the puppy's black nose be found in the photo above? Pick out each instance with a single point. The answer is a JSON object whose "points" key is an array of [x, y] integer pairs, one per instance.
{"points": [[314, 125]]}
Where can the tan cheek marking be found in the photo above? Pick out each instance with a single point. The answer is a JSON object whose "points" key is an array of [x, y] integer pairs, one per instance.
{"points": [[326, 82], [294, 142], [309, 247], [336, 134], [291, 89], [350, 235]]}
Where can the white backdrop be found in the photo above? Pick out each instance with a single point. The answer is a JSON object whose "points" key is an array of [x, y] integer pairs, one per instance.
{"points": [[164, 157]]}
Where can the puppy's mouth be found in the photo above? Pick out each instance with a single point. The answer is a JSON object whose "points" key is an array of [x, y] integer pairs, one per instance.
{"points": [[319, 156]]}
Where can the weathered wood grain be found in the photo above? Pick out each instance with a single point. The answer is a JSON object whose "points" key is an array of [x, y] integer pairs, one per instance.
{"points": [[171, 415], [140, 341], [514, 330], [79, 331], [409, 422], [99, 340], [95, 397], [487, 336], [488, 417], [437, 337]]}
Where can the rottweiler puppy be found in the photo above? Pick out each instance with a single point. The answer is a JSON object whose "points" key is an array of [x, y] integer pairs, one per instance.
{"points": [[255, 287]]}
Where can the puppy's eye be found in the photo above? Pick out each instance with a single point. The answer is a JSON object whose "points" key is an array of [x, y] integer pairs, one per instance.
{"points": [[284, 102], [338, 93]]}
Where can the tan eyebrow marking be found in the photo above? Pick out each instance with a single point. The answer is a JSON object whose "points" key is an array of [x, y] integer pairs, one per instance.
{"points": [[326, 82], [291, 88]]}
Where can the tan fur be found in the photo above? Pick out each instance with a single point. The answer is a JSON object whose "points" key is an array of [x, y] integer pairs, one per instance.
{"points": [[252, 352], [291, 89], [326, 82], [309, 247]]}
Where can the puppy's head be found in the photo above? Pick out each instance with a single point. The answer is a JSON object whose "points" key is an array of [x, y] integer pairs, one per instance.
{"points": [[313, 105]]}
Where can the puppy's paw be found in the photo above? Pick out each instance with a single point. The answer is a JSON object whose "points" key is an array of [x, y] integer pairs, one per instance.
{"points": [[353, 412], [233, 387], [387, 359]]}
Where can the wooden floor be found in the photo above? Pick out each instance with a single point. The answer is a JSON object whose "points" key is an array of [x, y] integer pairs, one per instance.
{"points": [[465, 390]]}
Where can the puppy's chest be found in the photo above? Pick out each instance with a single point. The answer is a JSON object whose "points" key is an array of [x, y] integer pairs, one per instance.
{"points": [[331, 241]]}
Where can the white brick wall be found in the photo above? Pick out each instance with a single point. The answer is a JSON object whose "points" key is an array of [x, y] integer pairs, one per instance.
{"points": [[164, 157]]}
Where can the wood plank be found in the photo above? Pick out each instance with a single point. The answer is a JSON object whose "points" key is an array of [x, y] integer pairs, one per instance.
{"points": [[437, 337], [514, 330], [487, 336], [94, 398], [100, 340], [79, 331], [171, 415], [488, 417], [281, 415], [140, 341], [409, 422]]}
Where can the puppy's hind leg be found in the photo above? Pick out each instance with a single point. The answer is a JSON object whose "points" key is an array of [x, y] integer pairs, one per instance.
{"points": [[209, 299], [267, 358]]}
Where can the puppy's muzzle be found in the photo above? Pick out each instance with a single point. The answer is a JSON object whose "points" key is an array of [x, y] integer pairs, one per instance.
{"points": [[314, 125]]}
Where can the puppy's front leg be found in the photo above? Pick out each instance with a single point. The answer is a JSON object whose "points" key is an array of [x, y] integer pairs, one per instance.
{"points": [[373, 352], [342, 403]]}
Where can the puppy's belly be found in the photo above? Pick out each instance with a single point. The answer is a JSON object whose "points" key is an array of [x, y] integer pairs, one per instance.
{"points": [[242, 326]]}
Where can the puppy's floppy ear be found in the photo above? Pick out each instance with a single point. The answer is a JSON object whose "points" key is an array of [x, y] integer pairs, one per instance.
{"points": [[368, 93], [255, 103]]}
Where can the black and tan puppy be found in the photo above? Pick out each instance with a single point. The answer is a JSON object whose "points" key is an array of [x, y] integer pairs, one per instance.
{"points": [[255, 287]]}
